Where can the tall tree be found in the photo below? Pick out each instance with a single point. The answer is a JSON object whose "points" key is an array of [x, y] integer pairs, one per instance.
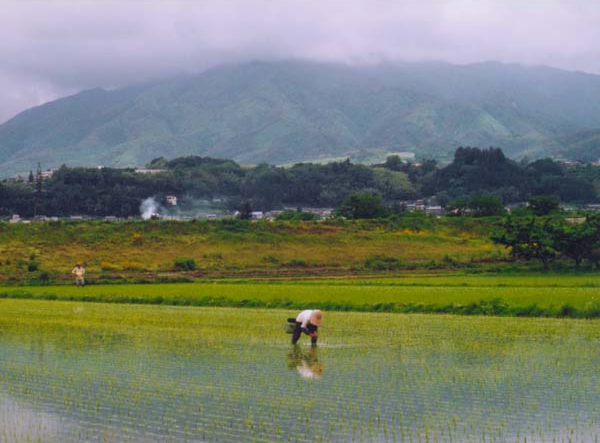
{"points": [[574, 240]]}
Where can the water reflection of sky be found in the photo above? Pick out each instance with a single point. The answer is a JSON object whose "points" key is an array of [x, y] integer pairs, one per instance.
{"points": [[21, 422], [82, 387]]}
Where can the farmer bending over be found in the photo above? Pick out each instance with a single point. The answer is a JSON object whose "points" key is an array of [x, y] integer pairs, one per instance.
{"points": [[308, 322]]}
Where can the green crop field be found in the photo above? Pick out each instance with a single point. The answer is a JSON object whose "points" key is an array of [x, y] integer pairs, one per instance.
{"points": [[551, 295], [75, 372]]}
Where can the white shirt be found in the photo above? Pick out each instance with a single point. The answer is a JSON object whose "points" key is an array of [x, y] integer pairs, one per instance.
{"points": [[304, 317]]}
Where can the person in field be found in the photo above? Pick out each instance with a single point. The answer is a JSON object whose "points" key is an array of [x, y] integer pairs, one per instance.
{"points": [[308, 321], [79, 271]]}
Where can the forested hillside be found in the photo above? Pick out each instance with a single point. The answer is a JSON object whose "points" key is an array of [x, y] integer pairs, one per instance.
{"points": [[582, 146], [287, 112]]}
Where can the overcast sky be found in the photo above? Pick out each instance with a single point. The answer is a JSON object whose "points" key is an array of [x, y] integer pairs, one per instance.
{"points": [[49, 49]]}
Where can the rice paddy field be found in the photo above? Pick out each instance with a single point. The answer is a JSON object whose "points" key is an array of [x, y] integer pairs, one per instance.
{"points": [[520, 295], [96, 372]]}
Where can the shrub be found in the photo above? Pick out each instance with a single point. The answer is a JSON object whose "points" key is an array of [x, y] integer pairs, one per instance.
{"points": [[450, 261], [32, 266], [295, 216], [296, 263], [271, 259], [532, 310], [592, 308], [185, 264], [382, 263], [567, 310], [495, 306]]}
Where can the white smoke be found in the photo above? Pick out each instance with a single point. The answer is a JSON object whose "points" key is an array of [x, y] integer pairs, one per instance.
{"points": [[188, 207], [148, 207]]}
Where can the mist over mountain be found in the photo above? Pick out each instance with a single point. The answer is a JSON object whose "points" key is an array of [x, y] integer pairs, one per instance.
{"points": [[293, 111]]}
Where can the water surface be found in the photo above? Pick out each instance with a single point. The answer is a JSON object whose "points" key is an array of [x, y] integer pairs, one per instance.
{"points": [[82, 372]]}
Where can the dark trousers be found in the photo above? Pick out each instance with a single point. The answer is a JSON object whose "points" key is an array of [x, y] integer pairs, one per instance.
{"points": [[310, 328]]}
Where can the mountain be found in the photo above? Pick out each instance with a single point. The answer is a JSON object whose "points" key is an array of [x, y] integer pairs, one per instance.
{"points": [[292, 111], [581, 146]]}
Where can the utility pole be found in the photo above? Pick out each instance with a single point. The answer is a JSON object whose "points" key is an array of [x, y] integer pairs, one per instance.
{"points": [[37, 197]]}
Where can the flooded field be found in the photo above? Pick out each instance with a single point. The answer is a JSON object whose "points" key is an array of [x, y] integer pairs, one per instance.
{"points": [[78, 372]]}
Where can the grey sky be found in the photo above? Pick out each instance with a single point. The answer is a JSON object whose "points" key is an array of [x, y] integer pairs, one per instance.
{"points": [[49, 48]]}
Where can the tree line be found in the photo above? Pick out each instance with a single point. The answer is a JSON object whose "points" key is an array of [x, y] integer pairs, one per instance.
{"points": [[477, 182], [549, 238]]}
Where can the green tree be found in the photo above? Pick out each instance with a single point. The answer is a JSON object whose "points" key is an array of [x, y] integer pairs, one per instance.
{"points": [[393, 185], [457, 207], [265, 186], [245, 212], [393, 163], [575, 240], [485, 206], [364, 204], [543, 204], [593, 243], [528, 238], [475, 170]]}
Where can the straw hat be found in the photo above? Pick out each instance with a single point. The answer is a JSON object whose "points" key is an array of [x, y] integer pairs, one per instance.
{"points": [[316, 318]]}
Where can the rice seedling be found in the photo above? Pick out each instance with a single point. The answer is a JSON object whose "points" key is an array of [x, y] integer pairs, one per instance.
{"points": [[72, 371]]}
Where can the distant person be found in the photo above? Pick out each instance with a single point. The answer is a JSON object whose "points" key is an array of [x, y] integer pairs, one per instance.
{"points": [[78, 271], [308, 321]]}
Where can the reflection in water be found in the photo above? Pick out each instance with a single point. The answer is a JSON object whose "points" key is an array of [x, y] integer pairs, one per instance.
{"points": [[156, 384], [21, 422], [306, 362]]}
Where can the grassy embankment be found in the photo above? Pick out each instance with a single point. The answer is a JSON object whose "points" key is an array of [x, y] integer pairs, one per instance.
{"points": [[533, 296], [273, 264], [41, 253]]}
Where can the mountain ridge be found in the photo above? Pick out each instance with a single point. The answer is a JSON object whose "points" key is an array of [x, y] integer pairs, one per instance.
{"points": [[292, 111]]}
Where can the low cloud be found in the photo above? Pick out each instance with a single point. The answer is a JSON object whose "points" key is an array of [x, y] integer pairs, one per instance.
{"points": [[50, 49]]}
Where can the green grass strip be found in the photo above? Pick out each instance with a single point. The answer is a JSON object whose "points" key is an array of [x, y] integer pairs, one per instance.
{"points": [[571, 301]]}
